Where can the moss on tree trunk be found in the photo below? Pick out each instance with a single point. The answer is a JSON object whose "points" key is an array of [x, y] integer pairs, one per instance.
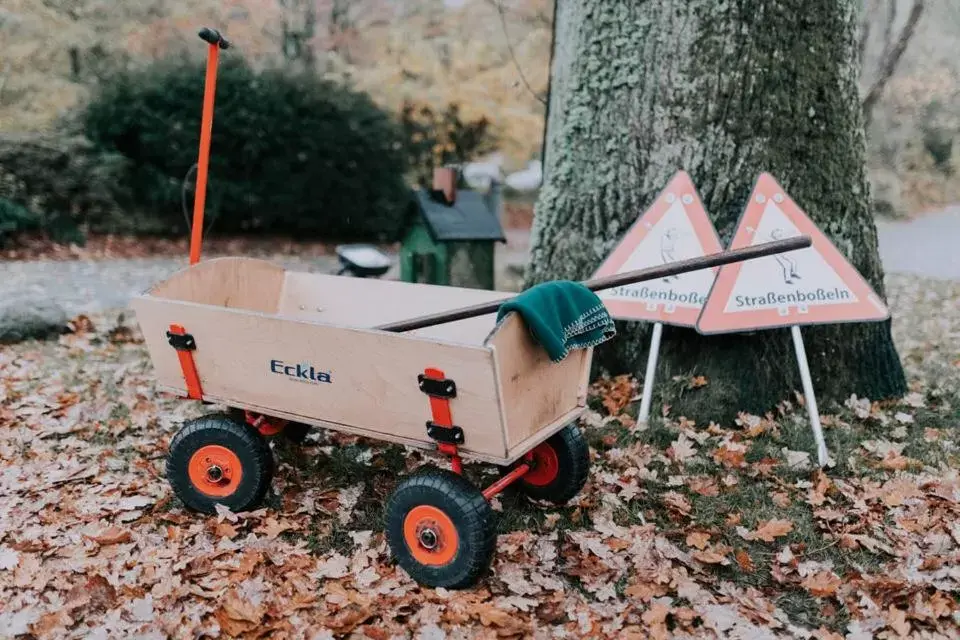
{"points": [[725, 91]]}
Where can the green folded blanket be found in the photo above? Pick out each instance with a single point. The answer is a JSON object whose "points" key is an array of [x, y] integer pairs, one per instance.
{"points": [[562, 315]]}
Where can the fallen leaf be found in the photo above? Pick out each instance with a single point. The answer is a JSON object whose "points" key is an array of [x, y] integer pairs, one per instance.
{"points": [[710, 556], [703, 485], [682, 449], [897, 620], [113, 535], [235, 607], [698, 539], [698, 381], [896, 462], [822, 583], [656, 614], [730, 455], [507, 623], [677, 502], [348, 619], [754, 426], [94, 594], [781, 499], [796, 459], [273, 528], [744, 560], [767, 531]]}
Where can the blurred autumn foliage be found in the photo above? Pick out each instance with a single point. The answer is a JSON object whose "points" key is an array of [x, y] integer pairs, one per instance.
{"points": [[437, 138], [488, 57], [57, 51]]}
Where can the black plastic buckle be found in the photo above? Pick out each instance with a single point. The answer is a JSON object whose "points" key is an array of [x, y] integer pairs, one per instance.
{"points": [[438, 388], [184, 342], [448, 435]]}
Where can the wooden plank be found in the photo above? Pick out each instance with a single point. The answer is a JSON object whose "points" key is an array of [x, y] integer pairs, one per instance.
{"points": [[237, 283], [534, 391], [251, 358]]}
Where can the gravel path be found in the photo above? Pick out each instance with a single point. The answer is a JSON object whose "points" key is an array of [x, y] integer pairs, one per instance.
{"points": [[86, 286], [924, 247]]}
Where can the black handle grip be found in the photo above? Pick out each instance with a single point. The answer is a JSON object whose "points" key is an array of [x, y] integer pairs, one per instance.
{"points": [[213, 37]]}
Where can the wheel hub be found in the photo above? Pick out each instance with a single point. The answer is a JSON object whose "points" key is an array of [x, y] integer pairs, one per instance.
{"points": [[215, 470], [544, 466], [430, 535], [429, 538]]}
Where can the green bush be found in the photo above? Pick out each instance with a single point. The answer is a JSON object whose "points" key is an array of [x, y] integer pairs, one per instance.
{"points": [[14, 219], [289, 153]]}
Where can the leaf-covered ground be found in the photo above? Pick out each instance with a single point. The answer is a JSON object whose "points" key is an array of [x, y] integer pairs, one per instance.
{"points": [[684, 530]]}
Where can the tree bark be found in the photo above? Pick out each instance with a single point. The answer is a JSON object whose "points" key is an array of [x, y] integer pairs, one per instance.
{"points": [[725, 91]]}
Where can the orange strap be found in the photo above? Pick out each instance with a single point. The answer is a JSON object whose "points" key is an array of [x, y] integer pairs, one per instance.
{"points": [[188, 366], [439, 407], [440, 410]]}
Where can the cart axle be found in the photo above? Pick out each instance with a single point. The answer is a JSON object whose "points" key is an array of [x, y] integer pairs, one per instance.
{"points": [[506, 481]]}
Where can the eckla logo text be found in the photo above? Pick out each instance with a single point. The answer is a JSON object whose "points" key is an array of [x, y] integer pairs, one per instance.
{"points": [[300, 372]]}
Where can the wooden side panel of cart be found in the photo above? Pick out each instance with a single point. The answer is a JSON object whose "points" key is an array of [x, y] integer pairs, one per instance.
{"points": [[510, 396]]}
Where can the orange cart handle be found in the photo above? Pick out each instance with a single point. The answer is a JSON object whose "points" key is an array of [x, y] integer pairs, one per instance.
{"points": [[216, 42], [214, 37]]}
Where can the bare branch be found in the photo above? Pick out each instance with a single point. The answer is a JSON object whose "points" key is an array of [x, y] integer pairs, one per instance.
{"points": [[890, 61], [503, 20], [888, 28]]}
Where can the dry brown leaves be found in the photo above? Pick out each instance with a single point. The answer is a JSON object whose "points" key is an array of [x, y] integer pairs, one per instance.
{"points": [[92, 545], [615, 393]]}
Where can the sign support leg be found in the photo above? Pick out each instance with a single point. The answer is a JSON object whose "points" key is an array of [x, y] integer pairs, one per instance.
{"points": [[647, 397], [809, 396]]}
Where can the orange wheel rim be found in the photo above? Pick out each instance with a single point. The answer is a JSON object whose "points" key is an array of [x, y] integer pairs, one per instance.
{"points": [[546, 466], [431, 536], [215, 470]]}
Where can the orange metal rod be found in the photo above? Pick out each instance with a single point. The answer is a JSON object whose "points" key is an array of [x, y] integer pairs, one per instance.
{"points": [[206, 126], [506, 481]]}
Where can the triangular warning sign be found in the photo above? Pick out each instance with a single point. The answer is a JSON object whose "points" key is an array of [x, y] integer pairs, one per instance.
{"points": [[815, 285], [675, 227]]}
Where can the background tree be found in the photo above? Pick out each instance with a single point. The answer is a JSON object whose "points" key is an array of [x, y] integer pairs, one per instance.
{"points": [[893, 48], [724, 91]]}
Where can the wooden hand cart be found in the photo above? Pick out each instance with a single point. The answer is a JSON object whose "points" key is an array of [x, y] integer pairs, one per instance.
{"points": [[287, 350]]}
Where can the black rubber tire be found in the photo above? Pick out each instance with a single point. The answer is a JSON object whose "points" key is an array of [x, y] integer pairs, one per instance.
{"points": [[573, 460], [472, 518], [295, 432], [256, 462]]}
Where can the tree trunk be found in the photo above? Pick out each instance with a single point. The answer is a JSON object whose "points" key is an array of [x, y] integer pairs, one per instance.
{"points": [[725, 91]]}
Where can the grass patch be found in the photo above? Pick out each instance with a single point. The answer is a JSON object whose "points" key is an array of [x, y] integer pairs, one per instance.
{"points": [[812, 612]]}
